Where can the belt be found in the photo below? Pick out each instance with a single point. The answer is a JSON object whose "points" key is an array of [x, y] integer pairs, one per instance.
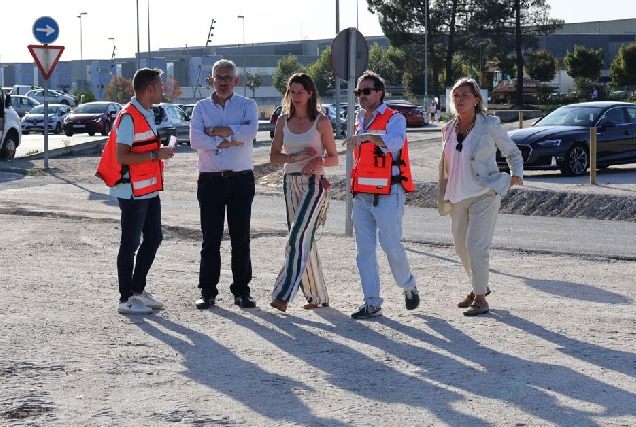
{"points": [[224, 174]]}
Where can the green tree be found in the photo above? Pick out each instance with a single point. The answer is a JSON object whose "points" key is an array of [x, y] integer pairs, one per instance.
{"points": [[253, 81], [119, 90], [321, 72], [388, 63], [83, 96], [171, 89], [623, 67], [584, 63], [285, 67], [541, 65]]}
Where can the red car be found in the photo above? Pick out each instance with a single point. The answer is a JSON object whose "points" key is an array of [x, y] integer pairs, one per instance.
{"points": [[273, 119], [413, 113], [91, 118]]}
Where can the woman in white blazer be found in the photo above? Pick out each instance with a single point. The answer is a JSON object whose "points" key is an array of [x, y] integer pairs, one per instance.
{"points": [[471, 186]]}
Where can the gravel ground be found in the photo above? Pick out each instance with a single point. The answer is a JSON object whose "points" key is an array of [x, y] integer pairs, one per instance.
{"points": [[557, 348]]}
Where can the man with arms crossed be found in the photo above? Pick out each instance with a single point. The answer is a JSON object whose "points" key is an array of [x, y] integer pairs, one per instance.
{"points": [[222, 129]]}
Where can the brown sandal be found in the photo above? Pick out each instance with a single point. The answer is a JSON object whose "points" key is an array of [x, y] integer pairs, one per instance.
{"points": [[279, 304], [466, 302], [311, 305]]}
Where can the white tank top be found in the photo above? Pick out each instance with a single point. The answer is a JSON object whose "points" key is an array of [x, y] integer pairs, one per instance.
{"points": [[295, 142]]}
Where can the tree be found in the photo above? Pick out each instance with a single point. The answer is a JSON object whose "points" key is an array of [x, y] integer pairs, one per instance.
{"points": [[171, 89], [119, 90], [541, 65], [623, 67], [584, 63], [321, 72], [285, 67], [388, 63], [253, 81]]}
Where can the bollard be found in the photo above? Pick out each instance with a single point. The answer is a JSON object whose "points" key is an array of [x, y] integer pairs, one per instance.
{"points": [[593, 155], [520, 119]]}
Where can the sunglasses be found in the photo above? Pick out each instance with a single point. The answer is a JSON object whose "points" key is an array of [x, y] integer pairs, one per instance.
{"points": [[365, 91], [460, 140]]}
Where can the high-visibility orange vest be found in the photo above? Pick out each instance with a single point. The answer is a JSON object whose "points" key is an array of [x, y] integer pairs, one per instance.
{"points": [[146, 177], [371, 171]]}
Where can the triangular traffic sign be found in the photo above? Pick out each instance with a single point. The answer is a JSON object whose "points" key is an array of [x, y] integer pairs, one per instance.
{"points": [[46, 57]]}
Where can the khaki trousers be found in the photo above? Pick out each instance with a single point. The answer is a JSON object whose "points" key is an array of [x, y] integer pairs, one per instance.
{"points": [[473, 225]]}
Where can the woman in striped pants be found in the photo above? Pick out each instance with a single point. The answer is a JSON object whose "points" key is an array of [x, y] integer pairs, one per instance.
{"points": [[307, 138]]}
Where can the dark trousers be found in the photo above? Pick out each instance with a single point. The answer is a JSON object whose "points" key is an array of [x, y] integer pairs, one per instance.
{"points": [[215, 193], [139, 217]]}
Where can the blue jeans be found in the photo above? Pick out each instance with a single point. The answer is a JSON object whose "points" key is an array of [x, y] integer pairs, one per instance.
{"points": [[383, 221], [139, 217], [215, 193]]}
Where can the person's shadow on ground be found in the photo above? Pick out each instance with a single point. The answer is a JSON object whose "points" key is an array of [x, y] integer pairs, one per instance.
{"points": [[213, 365]]}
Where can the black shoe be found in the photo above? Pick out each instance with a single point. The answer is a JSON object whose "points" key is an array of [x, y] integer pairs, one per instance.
{"points": [[245, 301], [204, 302]]}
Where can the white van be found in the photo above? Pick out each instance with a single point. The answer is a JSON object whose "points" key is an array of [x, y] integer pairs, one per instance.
{"points": [[10, 128], [22, 89]]}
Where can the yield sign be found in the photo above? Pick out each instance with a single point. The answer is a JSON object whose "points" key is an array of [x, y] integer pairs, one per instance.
{"points": [[46, 57]]}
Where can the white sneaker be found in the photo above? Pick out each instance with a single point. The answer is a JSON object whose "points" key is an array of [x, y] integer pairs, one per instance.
{"points": [[147, 300], [133, 306]]}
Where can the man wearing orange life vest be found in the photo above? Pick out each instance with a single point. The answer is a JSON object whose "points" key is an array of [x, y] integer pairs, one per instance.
{"points": [[380, 178], [131, 165]]}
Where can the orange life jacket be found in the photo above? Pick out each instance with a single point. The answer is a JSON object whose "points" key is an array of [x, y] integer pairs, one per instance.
{"points": [[371, 171], [146, 177]]}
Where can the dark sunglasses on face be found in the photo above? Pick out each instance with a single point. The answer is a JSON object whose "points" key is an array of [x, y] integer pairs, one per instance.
{"points": [[365, 91]]}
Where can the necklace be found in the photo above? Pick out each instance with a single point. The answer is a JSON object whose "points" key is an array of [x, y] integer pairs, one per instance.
{"points": [[462, 136]]}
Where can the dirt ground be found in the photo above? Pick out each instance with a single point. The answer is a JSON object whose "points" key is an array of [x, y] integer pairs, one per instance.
{"points": [[557, 349]]}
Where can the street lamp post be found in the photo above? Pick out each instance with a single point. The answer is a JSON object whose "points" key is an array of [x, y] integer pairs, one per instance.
{"points": [[242, 18], [112, 66], [83, 71]]}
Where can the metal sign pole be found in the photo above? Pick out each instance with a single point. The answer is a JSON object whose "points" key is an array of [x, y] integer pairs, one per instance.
{"points": [[350, 125], [46, 123]]}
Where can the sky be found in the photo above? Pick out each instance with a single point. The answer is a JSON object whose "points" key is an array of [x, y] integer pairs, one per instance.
{"points": [[173, 27]]}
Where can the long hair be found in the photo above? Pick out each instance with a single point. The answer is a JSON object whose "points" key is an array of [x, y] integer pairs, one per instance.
{"points": [[480, 108], [313, 105]]}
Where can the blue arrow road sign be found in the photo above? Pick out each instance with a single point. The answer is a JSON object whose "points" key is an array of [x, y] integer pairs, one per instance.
{"points": [[46, 30]]}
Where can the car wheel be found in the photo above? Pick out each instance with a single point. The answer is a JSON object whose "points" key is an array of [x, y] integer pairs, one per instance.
{"points": [[271, 134], [106, 130], [8, 148], [91, 133], [68, 133], [65, 102], [576, 161], [58, 128]]}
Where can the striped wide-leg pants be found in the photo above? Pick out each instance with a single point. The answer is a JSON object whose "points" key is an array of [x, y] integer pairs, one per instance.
{"points": [[307, 204]]}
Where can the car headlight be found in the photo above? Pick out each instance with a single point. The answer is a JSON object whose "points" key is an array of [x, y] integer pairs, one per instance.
{"points": [[51, 119], [550, 143]]}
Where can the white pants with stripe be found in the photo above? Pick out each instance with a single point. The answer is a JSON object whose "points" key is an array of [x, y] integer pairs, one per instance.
{"points": [[307, 202]]}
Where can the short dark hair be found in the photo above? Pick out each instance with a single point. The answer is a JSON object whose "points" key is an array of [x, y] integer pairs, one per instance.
{"points": [[378, 82], [144, 77]]}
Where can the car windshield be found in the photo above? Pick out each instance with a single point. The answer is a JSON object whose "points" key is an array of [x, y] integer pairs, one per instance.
{"points": [[39, 109], [571, 116], [90, 109]]}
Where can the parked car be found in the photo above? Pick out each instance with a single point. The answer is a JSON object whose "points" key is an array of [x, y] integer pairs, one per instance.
{"points": [[10, 129], [561, 140], [274, 118], [171, 120], [33, 121], [22, 104], [91, 118], [187, 108], [413, 113], [52, 97]]}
